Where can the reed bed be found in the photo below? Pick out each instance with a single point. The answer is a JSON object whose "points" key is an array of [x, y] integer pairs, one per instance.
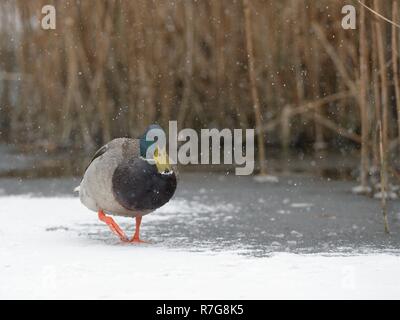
{"points": [[112, 67]]}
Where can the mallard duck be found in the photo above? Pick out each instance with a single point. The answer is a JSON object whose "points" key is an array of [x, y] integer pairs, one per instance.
{"points": [[121, 181]]}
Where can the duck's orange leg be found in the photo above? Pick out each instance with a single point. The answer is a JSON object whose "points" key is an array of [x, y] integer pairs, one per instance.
{"points": [[136, 237], [113, 226]]}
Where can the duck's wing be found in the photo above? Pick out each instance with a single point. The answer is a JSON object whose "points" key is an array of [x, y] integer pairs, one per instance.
{"points": [[98, 153], [130, 147]]}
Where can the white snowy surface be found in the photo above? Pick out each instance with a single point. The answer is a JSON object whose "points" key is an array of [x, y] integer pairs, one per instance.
{"points": [[55, 248], [266, 178]]}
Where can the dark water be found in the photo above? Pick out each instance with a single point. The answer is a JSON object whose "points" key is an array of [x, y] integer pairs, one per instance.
{"points": [[41, 163]]}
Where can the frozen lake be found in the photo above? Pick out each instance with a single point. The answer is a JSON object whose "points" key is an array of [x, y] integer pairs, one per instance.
{"points": [[303, 237], [53, 248], [212, 211], [300, 238]]}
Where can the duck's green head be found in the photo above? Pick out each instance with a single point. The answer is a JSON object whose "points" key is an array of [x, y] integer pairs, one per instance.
{"points": [[160, 155]]}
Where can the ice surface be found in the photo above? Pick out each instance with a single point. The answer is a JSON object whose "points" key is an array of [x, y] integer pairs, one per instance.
{"points": [[301, 205], [388, 195], [361, 189], [218, 212], [56, 248], [266, 178]]}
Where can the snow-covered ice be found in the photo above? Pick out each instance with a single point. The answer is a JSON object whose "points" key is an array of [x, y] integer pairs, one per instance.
{"points": [[360, 189], [266, 178], [56, 248]]}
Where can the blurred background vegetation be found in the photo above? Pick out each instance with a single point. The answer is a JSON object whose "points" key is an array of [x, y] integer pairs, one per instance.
{"points": [[112, 67]]}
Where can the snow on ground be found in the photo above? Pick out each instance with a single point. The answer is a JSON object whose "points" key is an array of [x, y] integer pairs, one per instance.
{"points": [[55, 248]]}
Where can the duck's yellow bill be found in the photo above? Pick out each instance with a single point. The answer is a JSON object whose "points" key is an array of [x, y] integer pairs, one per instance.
{"points": [[161, 159]]}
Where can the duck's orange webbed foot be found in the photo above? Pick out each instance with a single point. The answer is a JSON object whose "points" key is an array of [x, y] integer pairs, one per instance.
{"points": [[136, 238], [113, 226]]}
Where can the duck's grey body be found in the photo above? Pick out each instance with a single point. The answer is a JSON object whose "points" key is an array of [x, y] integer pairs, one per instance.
{"points": [[96, 191], [114, 180]]}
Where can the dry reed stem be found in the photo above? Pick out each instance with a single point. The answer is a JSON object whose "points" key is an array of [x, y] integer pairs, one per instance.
{"points": [[395, 66], [379, 15], [383, 174], [253, 86], [363, 102]]}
